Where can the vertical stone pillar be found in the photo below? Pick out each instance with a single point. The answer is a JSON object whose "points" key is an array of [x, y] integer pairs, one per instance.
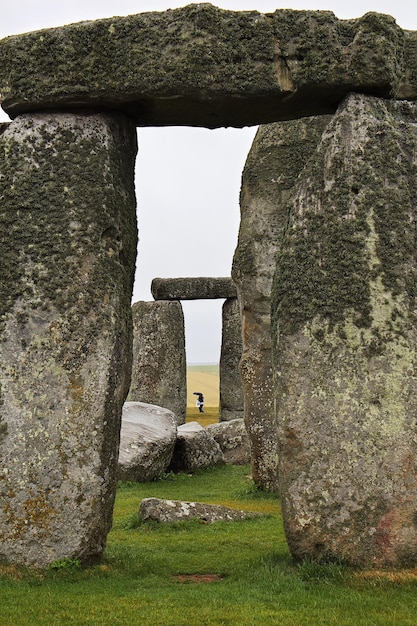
{"points": [[68, 241], [231, 392], [278, 154], [159, 366], [345, 321]]}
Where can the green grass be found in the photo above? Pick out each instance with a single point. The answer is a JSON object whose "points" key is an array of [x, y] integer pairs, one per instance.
{"points": [[257, 584], [210, 415]]}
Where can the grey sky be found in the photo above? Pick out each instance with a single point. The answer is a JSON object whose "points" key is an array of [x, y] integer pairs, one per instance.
{"points": [[187, 179]]}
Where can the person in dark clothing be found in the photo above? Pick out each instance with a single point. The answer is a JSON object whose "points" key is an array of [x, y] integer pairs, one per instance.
{"points": [[200, 400]]}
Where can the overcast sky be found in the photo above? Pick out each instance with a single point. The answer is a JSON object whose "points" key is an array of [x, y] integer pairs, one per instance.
{"points": [[187, 179]]}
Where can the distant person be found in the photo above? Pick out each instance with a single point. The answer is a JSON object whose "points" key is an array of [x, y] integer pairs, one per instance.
{"points": [[200, 400]]}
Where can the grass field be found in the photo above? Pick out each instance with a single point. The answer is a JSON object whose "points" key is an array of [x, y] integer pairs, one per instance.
{"points": [[196, 574], [203, 378], [210, 415]]}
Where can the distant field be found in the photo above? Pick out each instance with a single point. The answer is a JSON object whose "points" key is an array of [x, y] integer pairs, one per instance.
{"points": [[209, 368], [203, 378]]}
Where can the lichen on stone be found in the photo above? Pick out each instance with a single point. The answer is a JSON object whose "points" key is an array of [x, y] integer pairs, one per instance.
{"points": [[205, 66], [68, 231], [344, 330], [325, 268]]}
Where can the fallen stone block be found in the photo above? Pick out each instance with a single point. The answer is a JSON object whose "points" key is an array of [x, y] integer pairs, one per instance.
{"points": [[147, 440], [195, 449], [168, 511], [233, 440]]}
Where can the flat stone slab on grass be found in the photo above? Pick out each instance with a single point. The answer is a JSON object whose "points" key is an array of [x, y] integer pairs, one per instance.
{"points": [[157, 510], [147, 441], [204, 66]]}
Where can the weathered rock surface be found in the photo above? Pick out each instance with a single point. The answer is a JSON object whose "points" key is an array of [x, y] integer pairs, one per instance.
{"points": [[233, 440], [231, 390], [277, 156], [168, 511], [195, 449], [68, 240], [202, 288], [159, 373], [344, 302], [147, 440], [203, 66]]}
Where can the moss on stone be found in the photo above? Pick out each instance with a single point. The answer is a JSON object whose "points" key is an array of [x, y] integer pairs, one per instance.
{"points": [[44, 233], [200, 65], [345, 336], [193, 288], [326, 267], [183, 52], [322, 50], [276, 158], [68, 232]]}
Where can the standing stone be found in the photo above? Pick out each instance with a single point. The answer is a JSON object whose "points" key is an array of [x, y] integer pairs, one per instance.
{"points": [[68, 241], [231, 392], [278, 154], [344, 303], [159, 373]]}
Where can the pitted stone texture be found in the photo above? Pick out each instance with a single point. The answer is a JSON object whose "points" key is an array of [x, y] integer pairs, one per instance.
{"points": [[231, 391], [277, 156], [168, 511], [202, 288], [68, 241], [203, 66], [147, 440], [195, 449], [344, 302], [159, 373], [233, 440]]}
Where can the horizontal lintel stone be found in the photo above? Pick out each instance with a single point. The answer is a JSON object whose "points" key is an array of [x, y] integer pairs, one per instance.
{"points": [[204, 66], [202, 288]]}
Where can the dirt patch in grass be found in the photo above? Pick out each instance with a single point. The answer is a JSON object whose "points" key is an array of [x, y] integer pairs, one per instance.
{"points": [[394, 576], [13, 572], [196, 578]]}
